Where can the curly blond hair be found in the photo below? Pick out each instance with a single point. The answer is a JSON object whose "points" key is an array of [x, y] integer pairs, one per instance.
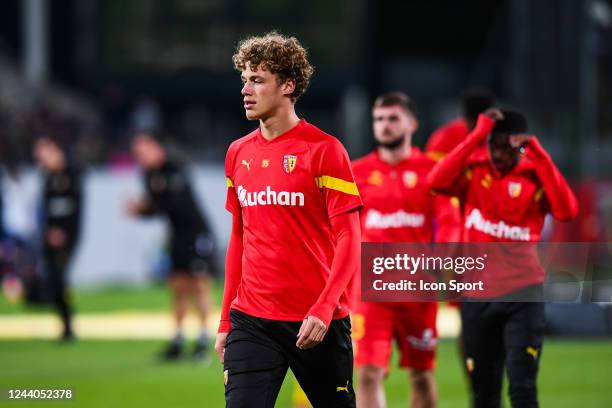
{"points": [[283, 56]]}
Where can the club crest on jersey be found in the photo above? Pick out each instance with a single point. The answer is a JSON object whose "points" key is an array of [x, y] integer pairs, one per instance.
{"points": [[410, 179], [514, 189], [289, 162]]}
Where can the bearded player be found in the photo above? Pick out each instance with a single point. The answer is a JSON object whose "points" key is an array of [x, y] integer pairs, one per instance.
{"points": [[398, 207], [295, 241]]}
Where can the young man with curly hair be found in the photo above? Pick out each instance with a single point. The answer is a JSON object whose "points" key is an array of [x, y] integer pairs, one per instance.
{"points": [[295, 241]]}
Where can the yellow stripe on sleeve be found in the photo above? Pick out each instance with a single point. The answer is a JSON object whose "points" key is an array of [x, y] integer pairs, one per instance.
{"points": [[337, 184], [229, 182]]}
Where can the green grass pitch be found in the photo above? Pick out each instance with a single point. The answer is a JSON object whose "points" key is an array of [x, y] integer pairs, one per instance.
{"points": [[126, 374]]}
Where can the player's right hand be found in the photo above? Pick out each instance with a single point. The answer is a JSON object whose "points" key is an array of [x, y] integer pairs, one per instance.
{"points": [[220, 345], [494, 114], [311, 333]]}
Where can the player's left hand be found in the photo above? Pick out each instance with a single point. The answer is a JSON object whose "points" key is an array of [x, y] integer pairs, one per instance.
{"points": [[520, 140], [311, 333]]}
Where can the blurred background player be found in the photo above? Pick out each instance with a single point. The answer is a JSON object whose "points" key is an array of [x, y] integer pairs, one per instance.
{"points": [[20, 251], [474, 101], [168, 193], [294, 245], [398, 207], [61, 207], [509, 184]]}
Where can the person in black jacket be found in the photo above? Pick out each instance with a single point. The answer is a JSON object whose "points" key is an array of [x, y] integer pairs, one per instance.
{"points": [[168, 193], [61, 206]]}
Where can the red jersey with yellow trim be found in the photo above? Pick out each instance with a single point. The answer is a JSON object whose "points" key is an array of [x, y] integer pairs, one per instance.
{"points": [[286, 190], [399, 205], [508, 207]]}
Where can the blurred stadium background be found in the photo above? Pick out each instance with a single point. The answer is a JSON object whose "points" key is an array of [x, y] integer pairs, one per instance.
{"points": [[92, 71]]}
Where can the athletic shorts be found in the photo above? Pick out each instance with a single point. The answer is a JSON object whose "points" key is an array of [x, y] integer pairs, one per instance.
{"points": [[192, 254], [259, 351], [411, 324]]}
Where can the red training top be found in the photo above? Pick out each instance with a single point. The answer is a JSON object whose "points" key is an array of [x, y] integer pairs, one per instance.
{"points": [[286, 191], [440, 143], [505, 207], [446, 138], [399, 205]]}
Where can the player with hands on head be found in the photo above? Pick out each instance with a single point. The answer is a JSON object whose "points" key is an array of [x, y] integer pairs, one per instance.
{"points": [[507, 183]]}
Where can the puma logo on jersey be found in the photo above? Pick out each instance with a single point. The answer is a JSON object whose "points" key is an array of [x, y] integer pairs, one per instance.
{"points": [[247, 164], [496, 229], [269, 197], [376, 178], [486, 181], [345, 388]]}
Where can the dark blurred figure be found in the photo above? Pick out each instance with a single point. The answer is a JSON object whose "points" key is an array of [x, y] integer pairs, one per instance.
{"points": [[20, 253], [473, 102], [61, 220], [169, 193]]}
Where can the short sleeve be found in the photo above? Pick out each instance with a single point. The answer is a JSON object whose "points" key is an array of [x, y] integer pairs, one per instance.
{"points": [[334, 176], [231, 201]]}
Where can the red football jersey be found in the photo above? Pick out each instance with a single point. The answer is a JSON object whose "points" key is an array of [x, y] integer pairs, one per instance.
{"points": [[286, 190], [399, 205], [505, 207], [441, 142], [446, 138]]}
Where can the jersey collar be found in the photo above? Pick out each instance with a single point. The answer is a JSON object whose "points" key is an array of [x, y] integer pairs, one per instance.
{"points": [[261, 140]]}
